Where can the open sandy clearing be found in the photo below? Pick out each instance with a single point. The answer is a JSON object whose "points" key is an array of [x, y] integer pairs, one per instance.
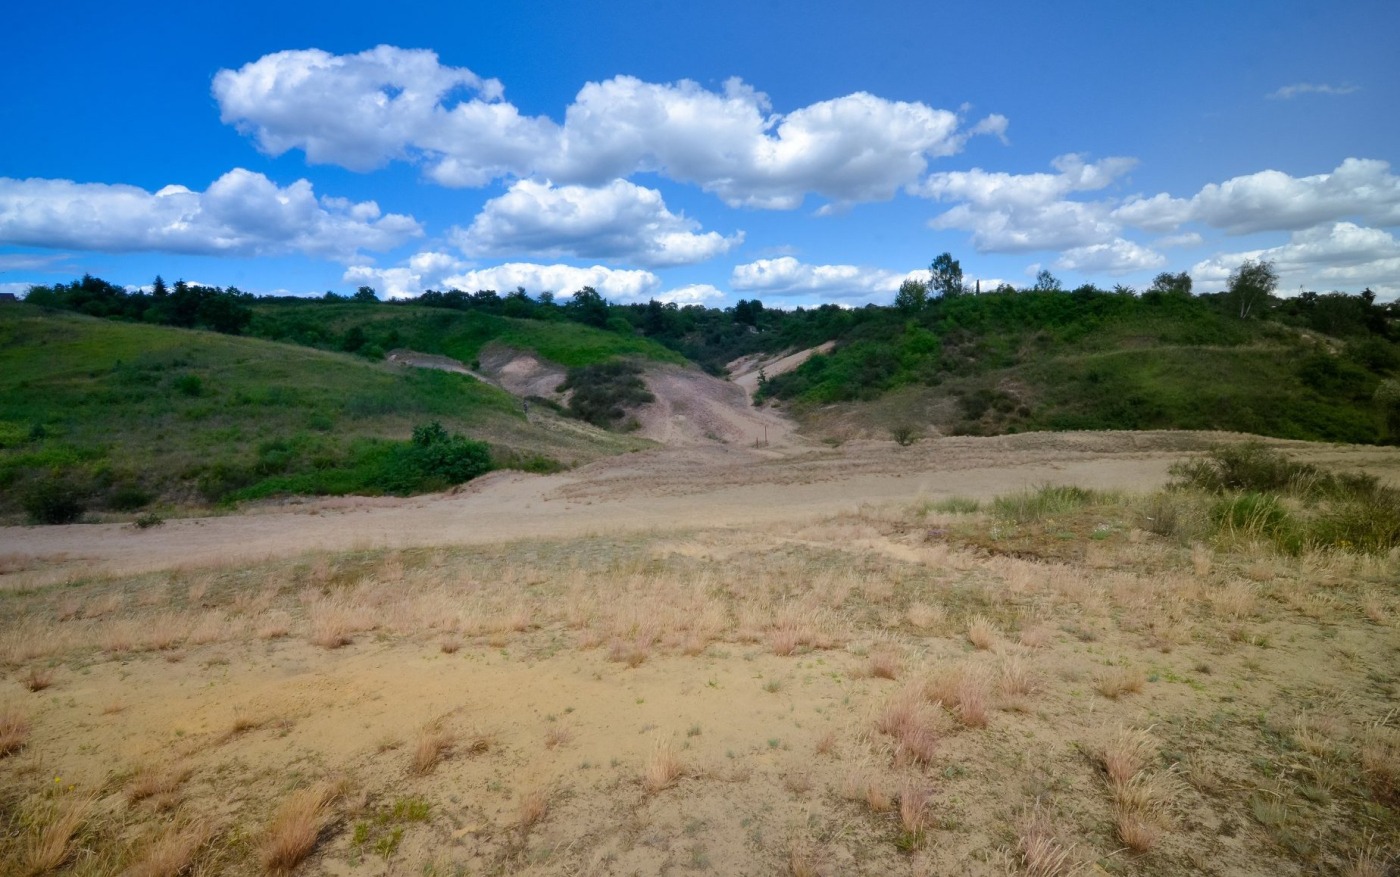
{"points": [[852, 688]]}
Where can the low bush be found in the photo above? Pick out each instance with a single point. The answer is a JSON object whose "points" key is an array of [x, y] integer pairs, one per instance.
{"points": [[53, 499], [602, 394]]}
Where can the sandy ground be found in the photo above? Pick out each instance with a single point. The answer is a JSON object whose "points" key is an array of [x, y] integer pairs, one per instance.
{"points": [[762, 616], [676, 488]]}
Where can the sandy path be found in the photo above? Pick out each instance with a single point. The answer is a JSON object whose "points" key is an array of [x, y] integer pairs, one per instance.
{"points": [[667, 489]]}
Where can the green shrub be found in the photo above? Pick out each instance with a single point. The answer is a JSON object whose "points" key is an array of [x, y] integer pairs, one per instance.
{"points": [[189, 385], [451, 459], [904, 435], [128, 498], [54, 500], [602, 394], [1043, 502]]}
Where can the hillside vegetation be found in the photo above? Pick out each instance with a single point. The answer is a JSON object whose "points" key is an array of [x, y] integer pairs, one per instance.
{"points": [[1090, 359], [120, 416]]}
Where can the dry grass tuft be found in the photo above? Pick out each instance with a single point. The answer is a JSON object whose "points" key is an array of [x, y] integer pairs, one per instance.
{"points": [[981, 632], [663, 766], [1125, 755], [292, 833], [37, 679], [1365, 864], [533, 806], [152, 782], [1380, 761], [912, 723], [432, 744], [804, 860], [450, 644], [52, 830], [826, 743], [913, 810], [926, 617], [1016, 679], [557, 736], [172, 853], [1115, 682], [1236, 600], [14, 729], [1034, 637], [1042, 854], [885, 663], [1139, 832]]}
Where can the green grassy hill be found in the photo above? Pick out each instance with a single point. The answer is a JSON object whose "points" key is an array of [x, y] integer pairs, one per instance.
{"points": [[376, 328], [127, 415], [1007, 362]]}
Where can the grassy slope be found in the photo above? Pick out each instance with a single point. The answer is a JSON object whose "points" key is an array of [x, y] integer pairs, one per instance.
{"points": [[168, 409], [458, 334], [994, 364]]}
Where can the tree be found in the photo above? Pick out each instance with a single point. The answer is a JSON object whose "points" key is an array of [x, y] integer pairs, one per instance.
{"points": [[1388, 401], [912, 296], [1171, 284], [1046, 282], [946, 276], [365, 293], [1250, 286], [158, 289], [588, 307]]}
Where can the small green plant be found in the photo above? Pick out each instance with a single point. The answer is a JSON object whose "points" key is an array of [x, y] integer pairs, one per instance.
{"points": [[904, 434], [148, 520], [189, 385], [1043, 502]]}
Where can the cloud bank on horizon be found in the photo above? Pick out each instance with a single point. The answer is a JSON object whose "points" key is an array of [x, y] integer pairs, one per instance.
{"points": [[580, 196]]}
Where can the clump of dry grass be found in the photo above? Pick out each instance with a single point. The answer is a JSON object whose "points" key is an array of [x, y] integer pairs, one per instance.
{"points": [[1380, 761], [912, 724], [274, 625], [924, 616], [826, 743], [1042, 853], [632, 652], [1125, 754], [557, 736], [804, 860], [433, 743], [37, 679], [152, 782], [1365, 864], [1115, 682], [663, 765], [1034, 637], [1139, 833], [963, 691], [913, 812], [533, 806], [1016, 679], [52, 830], [885, 663], [981, 632], [292, 833], [450, 644], [1236, 600], [174, 850], [14, 729]]}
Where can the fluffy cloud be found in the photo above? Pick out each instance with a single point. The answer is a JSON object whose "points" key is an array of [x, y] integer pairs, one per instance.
{"points": [[1117, 257], [562, 280], [691, 294], [1342, 255], [619, 221], [1270, 200], [241, 213], [1288, 92], [1020, 212], [385, 104], [785, 276], [422, 271]]}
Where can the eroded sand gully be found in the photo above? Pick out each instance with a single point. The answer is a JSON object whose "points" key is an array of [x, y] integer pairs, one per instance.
{"points": [[727, 660]]}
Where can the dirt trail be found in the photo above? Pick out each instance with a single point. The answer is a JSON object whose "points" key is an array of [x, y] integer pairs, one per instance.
{"points": [[745, 370], [667, 489]]}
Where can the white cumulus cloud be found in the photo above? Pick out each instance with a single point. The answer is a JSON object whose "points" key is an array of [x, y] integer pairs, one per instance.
{"points": [[364, 110], [620, 221], [563, 280], [1271, 200], [691, 294], [1021, 212], [241, 213], [786, 276], [1116, 257], [421, 272], [1342, 255]]}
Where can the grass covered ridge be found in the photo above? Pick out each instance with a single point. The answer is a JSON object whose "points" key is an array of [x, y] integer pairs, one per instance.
{"points": [[125, 415]]}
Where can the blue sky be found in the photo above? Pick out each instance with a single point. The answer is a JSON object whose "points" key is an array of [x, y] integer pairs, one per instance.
{"points": [[796, 152]]}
